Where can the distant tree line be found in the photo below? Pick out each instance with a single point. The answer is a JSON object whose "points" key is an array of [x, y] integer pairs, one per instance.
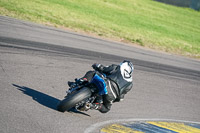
{"points": [[194, 4]]}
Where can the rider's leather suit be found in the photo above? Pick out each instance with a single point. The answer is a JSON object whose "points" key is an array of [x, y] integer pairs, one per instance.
{"points": [[118, 83]]}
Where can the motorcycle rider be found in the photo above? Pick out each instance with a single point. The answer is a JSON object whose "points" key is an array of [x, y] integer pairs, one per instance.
{"points": [[113, 82]]}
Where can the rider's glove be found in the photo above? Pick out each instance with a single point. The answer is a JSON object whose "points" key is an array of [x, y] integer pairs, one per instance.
{"points": [[96, 66]]}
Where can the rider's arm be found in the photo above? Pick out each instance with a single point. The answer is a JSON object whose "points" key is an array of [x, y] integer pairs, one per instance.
{"points": [[104, 69]]}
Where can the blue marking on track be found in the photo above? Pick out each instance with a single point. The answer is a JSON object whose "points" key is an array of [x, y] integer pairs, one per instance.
{"points": [[149, 128], [193, 125]]}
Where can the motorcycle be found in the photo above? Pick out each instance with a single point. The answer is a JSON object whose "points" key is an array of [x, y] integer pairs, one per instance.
{"points": [[79, 96]]}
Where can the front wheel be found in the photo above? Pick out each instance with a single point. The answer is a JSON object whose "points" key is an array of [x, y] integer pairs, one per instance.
{"points": [[74, 98]]}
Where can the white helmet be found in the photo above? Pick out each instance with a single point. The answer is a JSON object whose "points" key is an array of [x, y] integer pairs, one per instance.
{"points": [[126, 68]]}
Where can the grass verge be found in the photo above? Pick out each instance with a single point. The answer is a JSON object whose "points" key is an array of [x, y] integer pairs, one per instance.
{"points": [[144, 22]]}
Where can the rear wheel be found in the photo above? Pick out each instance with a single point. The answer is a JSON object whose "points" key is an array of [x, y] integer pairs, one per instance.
{"points": [[74, 98]]}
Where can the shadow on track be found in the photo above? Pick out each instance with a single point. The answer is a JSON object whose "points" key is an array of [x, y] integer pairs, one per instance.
{"points": [[44, 99]]}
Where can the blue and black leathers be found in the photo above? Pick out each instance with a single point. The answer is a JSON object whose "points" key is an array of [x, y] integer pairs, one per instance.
{"points": [[113, 82]]}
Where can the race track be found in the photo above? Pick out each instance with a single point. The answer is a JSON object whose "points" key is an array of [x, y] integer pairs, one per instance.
{"points": [[37, 61]]}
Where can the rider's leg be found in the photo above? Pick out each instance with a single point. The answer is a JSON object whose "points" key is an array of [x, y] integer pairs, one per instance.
{"points": [[102, 107], [106, 104]]}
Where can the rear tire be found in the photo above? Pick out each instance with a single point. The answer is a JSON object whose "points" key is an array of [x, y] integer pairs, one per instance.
{"points": [[71, 100]]}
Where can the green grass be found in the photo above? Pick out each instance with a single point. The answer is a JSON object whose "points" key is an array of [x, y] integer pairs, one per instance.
{"points": [[144, 22]]}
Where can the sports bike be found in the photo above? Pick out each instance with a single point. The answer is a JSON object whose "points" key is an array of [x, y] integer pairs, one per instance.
{"points": [[80, 96]]}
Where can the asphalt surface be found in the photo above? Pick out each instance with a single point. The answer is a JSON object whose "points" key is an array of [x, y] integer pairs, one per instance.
{"points": [[37, 61]]}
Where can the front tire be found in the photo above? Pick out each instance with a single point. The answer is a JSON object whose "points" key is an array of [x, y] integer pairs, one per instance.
{"points": [[72, 99]]}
